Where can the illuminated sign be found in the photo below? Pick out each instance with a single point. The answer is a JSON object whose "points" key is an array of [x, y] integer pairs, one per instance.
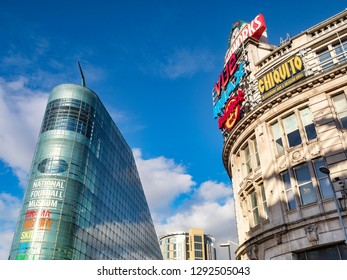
{"points": [[232, 111], [26, 235], [227, 106], [254, 30], [224, 95], [40, 224], [37, 235], [32, 214], [227, 72], [281, 77]]}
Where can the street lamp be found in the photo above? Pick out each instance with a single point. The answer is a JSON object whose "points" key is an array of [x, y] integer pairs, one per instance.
{"points": [[326, 171], [228, 244]]}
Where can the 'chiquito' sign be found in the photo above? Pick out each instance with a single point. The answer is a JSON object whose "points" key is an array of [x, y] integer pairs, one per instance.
{"points": [[281, 77]]}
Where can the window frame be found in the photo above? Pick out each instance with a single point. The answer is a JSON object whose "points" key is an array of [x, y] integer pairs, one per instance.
{"points": [[339, 112], [280, 130]]}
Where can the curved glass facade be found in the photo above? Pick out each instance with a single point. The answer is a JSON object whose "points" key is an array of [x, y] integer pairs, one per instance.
{"points": [[84, 198]]}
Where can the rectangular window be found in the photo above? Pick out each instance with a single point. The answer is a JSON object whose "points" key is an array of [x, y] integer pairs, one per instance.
{"points": [[197, 238], [307, 121], [340, 105], [325, 187], [304, 180], [341, 51], [325, 59], [248, 160], [255, 209], [289, 190], [292, 130], [198, 246], [263, 196], [257, 160], [276, 132]]}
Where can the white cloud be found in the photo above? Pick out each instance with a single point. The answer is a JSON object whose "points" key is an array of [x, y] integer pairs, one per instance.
{"points": [[21, 113], [214, 191], [210, 207], [163, 181], [185, 63], [9, 209]]}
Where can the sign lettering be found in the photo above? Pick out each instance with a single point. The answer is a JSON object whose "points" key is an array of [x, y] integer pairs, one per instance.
{"points": [[232, 111], [58, 184], [32, 214], [254, 30], [48, 203], [225, 94], [40, 224], [281, 77]]}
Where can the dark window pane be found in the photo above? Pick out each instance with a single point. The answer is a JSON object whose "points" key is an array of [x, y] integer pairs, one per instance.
{"points": [[330, 253], [343, 251], [310, 131], [294, 138], [302, 174], [291, 200], [326, 188], [292, 130]]}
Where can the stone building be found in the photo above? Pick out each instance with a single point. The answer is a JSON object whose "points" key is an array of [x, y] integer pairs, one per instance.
{"points": [[282, 111]]}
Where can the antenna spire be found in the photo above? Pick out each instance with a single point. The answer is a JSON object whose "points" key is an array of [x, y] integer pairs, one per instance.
{"points": [[83, 80]]}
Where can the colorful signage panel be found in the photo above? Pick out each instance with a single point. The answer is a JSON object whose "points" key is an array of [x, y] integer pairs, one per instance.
{"points": [[232, 111], [226, 103], [280, 77]]}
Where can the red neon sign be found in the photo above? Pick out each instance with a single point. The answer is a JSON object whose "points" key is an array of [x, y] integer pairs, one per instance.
{"points": [[232, 111], [254, 30], [227, 72]]}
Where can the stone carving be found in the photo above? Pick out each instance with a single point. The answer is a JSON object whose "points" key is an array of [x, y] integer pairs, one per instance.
{"points": [[297, 156], [311, 232], [252, 252], [278, 238]]}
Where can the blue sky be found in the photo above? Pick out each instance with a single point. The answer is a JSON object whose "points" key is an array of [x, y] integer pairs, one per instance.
{"points": [[153, 64]]}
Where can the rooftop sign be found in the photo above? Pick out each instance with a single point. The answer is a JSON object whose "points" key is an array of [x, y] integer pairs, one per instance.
{"points": [[254, 29], [227, 98]]}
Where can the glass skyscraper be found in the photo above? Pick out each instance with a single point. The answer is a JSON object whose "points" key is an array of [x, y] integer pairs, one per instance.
{"points": [[84, 198]]}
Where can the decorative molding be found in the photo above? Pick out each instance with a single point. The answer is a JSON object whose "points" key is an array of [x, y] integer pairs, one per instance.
{"points": [[297, 156], [311, 232]]}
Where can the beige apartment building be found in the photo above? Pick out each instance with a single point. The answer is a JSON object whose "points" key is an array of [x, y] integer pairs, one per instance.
{"points": [[191, 245], [285, 138]]}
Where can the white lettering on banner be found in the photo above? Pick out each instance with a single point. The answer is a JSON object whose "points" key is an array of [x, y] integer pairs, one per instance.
{"points": [[43, 203], [45, 193], [58, 184]]}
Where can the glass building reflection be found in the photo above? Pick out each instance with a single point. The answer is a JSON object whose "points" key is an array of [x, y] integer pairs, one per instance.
{"points": [[84, 198]]}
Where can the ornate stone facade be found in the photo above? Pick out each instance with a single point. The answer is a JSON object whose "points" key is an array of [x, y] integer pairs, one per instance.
{"points": [[293, 121]]}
